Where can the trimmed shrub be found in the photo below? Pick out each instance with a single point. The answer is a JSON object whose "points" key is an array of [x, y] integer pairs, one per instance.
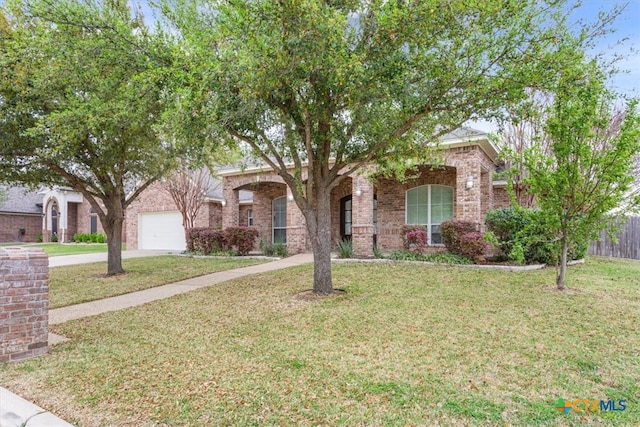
{"points": [[452, 232], [414, 237], [473, 246], [241, 239], [209, 240], [205, 240], [89, 238]]}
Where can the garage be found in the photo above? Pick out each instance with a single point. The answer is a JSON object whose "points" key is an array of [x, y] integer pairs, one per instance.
{"points": [[161, 230]]}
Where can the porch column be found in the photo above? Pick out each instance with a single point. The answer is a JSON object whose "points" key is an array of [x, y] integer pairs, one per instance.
{"points": [[362, 216], [230, 205]]}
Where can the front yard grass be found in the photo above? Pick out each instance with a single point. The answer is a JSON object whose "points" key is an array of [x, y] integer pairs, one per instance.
{"points": [[405, 345], [57, 249], [87, 282]]}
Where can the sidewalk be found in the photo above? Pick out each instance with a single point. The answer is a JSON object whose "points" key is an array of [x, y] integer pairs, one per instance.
{"points": [[16, 411], [64, 260], [93, 308]]}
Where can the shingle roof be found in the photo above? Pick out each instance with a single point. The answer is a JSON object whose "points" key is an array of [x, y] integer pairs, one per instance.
{"points": [[463, 133], [20, 200]]}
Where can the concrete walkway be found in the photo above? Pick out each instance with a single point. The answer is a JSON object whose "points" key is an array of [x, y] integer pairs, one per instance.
{"points": [[64, 260], [93, 308], [16, 411]]}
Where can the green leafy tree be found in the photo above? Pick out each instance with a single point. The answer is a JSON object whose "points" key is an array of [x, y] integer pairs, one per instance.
{"points": [[588, 170], [81, 96], [331, 86]]}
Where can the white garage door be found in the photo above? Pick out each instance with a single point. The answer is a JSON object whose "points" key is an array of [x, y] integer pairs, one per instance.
{"points": [[161, 230]]}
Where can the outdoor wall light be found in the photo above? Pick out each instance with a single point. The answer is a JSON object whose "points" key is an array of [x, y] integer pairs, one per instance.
{"points": [[358, 191], [469, 182], [290, 197], [223, 203]]}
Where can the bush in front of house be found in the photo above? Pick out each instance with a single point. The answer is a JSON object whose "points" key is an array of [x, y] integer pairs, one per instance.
{"points": [[273, 249], [240, 239], [439, 257], [462, 238], [89, 238], [522, 236], [207, 240], [414, 237], [505, 224]]}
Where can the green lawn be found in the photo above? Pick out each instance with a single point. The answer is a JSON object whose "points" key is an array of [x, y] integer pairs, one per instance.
{"points": [[406, 345], [87, 282], [56, 249]]}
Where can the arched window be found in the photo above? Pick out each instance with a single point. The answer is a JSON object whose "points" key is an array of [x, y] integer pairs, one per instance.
{"points": [[430, 205]]}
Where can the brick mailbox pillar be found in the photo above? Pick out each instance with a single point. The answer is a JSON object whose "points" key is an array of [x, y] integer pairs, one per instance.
{"points": [[24, 303]]}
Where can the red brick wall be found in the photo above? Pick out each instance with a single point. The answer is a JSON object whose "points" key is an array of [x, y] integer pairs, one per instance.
{"points": [[24, 302], [84, 219], [72, 221], [501, 197], [11, 223], [214, 211]]}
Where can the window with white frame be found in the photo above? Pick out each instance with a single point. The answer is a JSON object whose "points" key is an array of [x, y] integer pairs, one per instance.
{"points": [[430, 205], [250, 217]]}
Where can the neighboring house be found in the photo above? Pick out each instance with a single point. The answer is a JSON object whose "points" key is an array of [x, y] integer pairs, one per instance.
{"points": [[65, 213], [372, 213], [20, 215], [153, 220]]}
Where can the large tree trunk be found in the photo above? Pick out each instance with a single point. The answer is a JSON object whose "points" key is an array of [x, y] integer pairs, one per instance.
{"points": [[563, 263], [113, 229], [319, 228]]}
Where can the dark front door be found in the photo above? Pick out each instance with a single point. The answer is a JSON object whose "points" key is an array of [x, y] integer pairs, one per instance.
{"points": [[345, 217]]}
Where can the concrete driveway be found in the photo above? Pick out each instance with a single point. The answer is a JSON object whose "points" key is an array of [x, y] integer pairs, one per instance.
{"points": [[59, 261]]}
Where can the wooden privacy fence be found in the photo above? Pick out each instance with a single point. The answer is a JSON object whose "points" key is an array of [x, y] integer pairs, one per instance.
{"points": [[628, 245]]}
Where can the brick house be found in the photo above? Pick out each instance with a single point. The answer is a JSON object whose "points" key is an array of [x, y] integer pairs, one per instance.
{"points": [[368, 212], [372, 212], [20, 215]]}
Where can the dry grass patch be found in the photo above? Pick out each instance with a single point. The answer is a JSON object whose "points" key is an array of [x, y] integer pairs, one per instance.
{"points": [[87, 282], [406, 345]]}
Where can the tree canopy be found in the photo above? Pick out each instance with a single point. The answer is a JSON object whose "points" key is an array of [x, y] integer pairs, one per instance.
{"points": [[82, 93], [587, 171], [331, 86]]}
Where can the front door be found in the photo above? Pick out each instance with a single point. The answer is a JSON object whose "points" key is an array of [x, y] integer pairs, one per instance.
{"points": [[345, 217]]}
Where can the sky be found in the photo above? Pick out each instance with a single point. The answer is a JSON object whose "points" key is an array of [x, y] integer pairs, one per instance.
{"points": [[626, 29]]}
